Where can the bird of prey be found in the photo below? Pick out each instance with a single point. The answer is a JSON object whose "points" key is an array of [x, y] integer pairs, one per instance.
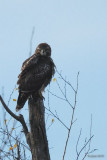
{"points": [[36, 74]]}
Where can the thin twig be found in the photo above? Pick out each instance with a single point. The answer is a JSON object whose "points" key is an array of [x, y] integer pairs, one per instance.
{"points": [[11, 95], [14, 139], [86, 143], [78, 141], [65, 87], [18, 150], [33, 31], [57, 118], [6, 153], [84, 146], [65, 80], [10, 142], [71, 119], [19, 118], [56, 95], [8, 110]]}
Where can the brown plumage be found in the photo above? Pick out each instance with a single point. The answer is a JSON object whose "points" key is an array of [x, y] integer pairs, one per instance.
{"points": [[36, 74]]}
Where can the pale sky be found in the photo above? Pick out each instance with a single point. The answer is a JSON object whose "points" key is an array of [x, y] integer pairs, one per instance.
{"points": [[77, 33]]}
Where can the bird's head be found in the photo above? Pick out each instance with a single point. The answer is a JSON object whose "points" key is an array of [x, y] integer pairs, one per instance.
{"points": [[43, 49]]}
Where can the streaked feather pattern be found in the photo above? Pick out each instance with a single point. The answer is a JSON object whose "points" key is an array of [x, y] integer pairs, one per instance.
{"points": [[36, 74]]}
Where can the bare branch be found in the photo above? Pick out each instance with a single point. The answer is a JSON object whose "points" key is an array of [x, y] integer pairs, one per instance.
{"points": [[65, 98], [33, 31], [4, 132], [86, 143], [71, 119], [18, 150], [7, 154], [56, 95], [19, 118], [57, 118], [78, 141], [64, 94], [8, 110], [65, 80], [84, 146], [11, 95], [9, 138]]}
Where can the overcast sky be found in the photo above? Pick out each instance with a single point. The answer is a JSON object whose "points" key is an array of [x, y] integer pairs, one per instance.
{"points": [[77, 33]]}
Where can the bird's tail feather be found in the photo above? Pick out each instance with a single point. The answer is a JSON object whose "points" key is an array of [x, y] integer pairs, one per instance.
{"points": [[22, 98]]}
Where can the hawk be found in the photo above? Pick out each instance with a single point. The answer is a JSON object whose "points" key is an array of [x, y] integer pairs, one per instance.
{"points": [[36, 74]]}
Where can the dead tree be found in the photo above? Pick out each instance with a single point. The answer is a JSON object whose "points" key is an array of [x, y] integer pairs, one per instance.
{"points": [[36, 136]]}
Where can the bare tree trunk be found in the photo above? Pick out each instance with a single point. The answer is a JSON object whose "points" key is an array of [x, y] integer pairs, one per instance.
{"points": [[38, 138]]}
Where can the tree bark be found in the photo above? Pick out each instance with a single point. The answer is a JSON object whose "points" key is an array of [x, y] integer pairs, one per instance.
{"points": [[38, 138]]}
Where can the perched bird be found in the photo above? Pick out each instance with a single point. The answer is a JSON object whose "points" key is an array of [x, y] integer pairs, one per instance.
{"points": [[36, 74]]}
